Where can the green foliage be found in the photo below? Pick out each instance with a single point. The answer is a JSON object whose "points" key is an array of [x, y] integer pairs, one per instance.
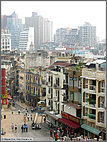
{"points": [[40, 69]]}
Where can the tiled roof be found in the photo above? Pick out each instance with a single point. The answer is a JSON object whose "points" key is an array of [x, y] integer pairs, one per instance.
{"points": [[58, 63]]}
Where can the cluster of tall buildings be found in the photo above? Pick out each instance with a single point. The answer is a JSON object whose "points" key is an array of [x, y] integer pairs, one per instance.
{"points": [[28, 36], [83, 36]]}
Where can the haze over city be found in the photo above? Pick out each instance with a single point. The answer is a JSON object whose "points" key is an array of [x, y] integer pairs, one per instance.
{"points": [[53, 71], [63, 14]]}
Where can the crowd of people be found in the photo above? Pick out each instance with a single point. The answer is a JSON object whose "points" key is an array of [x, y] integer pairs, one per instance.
{"points": [[14, 127]]}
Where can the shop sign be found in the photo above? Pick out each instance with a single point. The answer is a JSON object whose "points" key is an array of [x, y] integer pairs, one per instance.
{"points": [[3, 96], [64, 115], [74, 119], [4, 101], [70, 117]]}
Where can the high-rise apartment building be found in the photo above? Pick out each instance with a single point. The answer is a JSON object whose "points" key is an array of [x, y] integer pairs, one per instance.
{"points": [[15, 26], [41, 29], [26, 41], [5, 41], [47, 35], [87, 35]]}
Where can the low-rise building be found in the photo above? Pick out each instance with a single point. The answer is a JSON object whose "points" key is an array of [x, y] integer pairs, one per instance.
{"points": [[94, 101]]}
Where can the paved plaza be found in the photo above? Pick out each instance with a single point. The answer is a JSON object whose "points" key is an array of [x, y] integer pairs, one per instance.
{"points": [[38, 135]]}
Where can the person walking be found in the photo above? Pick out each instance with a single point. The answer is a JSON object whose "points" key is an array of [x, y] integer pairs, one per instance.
{"points": [[26, 113], [15, 128], [26, 127], [12, 126], [31, 117], [51, 133], [28, 117], [56, 137], [19, 111], [54, 133], [22, 128]]}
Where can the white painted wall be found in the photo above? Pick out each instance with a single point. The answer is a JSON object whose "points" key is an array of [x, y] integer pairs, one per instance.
{"points": [[70, 110]]}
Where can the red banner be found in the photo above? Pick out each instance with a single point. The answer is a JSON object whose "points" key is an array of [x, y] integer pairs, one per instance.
{"points": [[4, 101]]}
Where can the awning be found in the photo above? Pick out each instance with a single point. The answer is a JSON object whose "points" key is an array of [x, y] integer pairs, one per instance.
{"points": [[9, 97], [90, 129], [68, 123]]}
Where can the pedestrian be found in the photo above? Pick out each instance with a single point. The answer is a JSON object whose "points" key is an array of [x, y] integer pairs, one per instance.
{"points": [[54, 133], [51, 133], [56, 137], [26, 127], [19, 111], [15, 128], [58, 132], [22, 128], [26, 113], [28, 117], [31, 117], [62, 133], [12, 112], [12, 126], [44, 119]]}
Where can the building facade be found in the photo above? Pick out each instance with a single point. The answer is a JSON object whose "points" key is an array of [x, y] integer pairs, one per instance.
{"points": [[93, 102], [5, 41], [87, 35], [26, 41]]}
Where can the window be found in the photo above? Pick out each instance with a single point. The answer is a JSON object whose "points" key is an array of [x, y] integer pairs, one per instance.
{"points": [[75, 96], [79, 100], [70, 81], [86, 97], [102, 84], [49, 90], [86, 111], [75, 82], [71, 95]]}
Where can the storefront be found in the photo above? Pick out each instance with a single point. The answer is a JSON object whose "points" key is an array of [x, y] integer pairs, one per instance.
{"points": [[52, 118], [90, 132], [71, 122]]}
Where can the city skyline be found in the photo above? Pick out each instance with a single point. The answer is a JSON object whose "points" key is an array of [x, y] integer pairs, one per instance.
{"points": [[54, 11]]}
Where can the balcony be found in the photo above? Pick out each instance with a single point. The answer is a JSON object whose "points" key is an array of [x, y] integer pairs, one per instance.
{"points": [[92, 88], [56, 86], [49, 96], [65, 100], [43, 82], [49, 84], [55, 99], [91, 117]]}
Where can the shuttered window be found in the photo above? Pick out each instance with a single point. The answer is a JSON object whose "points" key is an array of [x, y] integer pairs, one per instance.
{"points": [[83, 82], [84, 97], [99, 88], [98, 101], [83, 110], [75, 96], [98, 116], [79, 98]]}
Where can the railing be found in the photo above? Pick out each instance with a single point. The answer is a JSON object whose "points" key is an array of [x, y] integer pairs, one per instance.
{"points": [[93, 74], [56, 86], [55, 99], [49, 96], [49, 83], [92, 88]]}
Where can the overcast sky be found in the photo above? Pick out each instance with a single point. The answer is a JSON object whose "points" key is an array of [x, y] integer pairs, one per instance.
{"points": [[62, 13]]}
